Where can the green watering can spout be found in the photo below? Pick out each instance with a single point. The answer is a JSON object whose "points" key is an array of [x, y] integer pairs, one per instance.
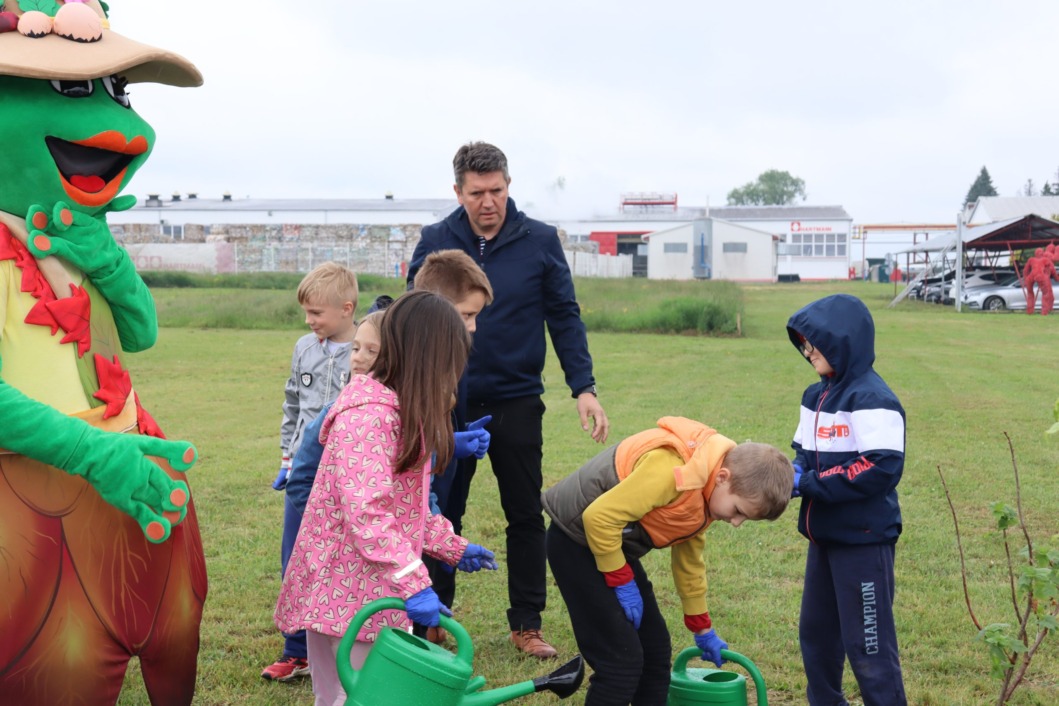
{"points": [[404, 670], [563, 682]]}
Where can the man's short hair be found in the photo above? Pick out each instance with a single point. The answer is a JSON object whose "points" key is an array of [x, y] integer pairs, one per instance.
{"points": [[479, 157], [454, 275], [329, 283], [763, 476]]}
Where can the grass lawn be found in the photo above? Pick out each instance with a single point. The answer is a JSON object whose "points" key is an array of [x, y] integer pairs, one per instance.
{"points": [[963, 379]]}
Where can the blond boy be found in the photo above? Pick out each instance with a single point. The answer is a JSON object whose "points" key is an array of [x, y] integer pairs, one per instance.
{"points": [[319, 371]]}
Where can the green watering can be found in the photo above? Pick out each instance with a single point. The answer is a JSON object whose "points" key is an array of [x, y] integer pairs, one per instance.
{"points": [[716, 687], [404, 670]]}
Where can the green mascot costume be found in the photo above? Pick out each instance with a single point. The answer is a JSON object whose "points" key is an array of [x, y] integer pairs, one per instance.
{"points": [[100, 555]]}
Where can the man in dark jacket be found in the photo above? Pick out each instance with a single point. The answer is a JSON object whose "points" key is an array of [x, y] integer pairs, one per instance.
{"points": [[532, 286]]}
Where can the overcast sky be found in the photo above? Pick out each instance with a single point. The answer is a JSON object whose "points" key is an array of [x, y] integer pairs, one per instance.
{"points": [[888, 109]]}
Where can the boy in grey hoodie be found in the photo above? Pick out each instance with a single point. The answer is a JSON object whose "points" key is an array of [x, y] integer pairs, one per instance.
{"points": [[319, 371]]}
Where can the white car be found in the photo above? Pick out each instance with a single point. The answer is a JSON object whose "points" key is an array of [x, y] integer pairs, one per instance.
{"points": [[998, 297]]}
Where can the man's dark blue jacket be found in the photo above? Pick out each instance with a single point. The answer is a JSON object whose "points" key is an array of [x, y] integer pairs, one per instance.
{"points": [[532, 286]]}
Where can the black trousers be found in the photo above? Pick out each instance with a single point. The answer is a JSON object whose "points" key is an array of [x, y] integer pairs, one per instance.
{"points": [[847, 612], [629, 666], [516, 453]]}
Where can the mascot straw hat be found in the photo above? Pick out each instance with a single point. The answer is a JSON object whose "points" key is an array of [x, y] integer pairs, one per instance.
{"points": [[72, 40]]}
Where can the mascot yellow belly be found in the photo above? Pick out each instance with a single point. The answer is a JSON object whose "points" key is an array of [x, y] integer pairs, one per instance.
{"points": [[100, 554]]}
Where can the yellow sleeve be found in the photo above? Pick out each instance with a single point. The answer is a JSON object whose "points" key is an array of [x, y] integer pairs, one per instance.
{"points": [[651, 484], [689, 573]]}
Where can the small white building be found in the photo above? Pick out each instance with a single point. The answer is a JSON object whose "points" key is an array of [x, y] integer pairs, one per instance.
{"points": [[710, 248], [814, 240]]}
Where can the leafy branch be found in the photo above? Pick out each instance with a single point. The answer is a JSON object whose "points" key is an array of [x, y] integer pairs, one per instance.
{"points": [[1034, 585]]}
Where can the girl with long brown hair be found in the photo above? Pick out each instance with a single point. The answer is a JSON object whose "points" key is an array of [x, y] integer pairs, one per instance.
{"points": [[367, 522]]}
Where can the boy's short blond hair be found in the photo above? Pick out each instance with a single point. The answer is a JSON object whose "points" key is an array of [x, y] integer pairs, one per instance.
{"points": [[329, 283], [763, 476], [453, 275]]}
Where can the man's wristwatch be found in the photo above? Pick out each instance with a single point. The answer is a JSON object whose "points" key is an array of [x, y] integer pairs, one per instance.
{"points": [[590, 388]]}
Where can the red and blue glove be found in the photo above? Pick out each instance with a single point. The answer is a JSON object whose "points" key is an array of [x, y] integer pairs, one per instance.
{"points": [[798, 471]]}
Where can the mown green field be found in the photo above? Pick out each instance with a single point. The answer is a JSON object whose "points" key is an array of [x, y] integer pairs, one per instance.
{"points": [[964, 381]]}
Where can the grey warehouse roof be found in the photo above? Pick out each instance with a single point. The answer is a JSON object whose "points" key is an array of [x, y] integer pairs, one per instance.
{"points": [[779, 213], [200, 204]]}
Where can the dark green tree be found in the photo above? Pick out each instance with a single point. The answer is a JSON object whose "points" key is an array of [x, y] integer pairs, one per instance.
{"points": [[982, 186], [772, 188]]}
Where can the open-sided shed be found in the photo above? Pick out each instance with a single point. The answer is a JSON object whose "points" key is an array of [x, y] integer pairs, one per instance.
{"points": [[1030, 231]]}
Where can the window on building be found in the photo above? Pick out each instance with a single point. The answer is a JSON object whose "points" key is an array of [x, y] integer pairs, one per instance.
{"points": [[675, 247], [733, 247], [818, 244], [174, 232]]}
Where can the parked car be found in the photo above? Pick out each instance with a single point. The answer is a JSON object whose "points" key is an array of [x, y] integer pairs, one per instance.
{"points": [[978, 278], [998, 297], [939, 289]]}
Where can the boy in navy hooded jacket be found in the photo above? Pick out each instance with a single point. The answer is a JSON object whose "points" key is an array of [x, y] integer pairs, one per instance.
{"points": [[849, 455]]}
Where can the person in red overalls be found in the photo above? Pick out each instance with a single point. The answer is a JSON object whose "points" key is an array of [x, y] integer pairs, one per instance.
{"points": [[1039, 271]]}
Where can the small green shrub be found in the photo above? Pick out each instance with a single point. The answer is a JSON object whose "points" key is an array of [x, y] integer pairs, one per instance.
{"points": [[165, 279], [702, 315]]}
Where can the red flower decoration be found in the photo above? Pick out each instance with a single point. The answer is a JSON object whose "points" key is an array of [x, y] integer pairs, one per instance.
{"points": [[73, 315], [114, 385], [41, 315], [145, 422], [7, 251]]}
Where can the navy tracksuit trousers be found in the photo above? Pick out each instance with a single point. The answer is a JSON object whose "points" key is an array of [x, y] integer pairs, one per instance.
{"points": [[847, 612]]}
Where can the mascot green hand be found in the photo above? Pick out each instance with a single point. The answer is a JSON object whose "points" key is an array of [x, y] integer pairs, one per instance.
{"points": [[82, 240], [116, 465], [100, 554], [85, 241]]}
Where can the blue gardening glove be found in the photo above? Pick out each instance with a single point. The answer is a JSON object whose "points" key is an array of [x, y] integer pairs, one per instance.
{"points": [[798, 471], [478, 425], [466, 444], [631, 602], [284, 473], [711, 645], [477, 557], [425, 608]]}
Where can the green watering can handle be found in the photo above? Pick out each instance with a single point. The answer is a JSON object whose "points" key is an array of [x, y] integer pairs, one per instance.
{"points": [[348, 676], [680, 665]]}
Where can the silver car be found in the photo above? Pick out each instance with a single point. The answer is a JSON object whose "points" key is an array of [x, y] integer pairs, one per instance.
{"points": [[1008, 294]]}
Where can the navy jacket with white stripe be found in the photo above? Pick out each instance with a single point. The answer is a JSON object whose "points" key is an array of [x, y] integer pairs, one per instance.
{"points": [[850, 439]]}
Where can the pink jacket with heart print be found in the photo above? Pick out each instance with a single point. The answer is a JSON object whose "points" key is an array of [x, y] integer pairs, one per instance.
{"points": [[365, 527]]}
